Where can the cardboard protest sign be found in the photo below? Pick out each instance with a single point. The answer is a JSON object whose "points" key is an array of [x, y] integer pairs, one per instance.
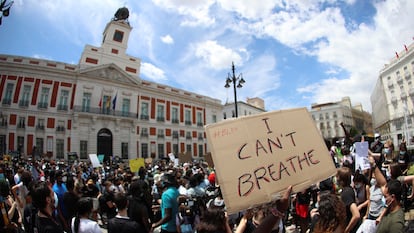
{"points": [[185, 157], [94, 160], [257, 157], [209, 159], [136, 164]]}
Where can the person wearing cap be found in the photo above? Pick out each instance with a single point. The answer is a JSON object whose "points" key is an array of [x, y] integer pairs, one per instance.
{"points": [[59, 187], [377, 146]]}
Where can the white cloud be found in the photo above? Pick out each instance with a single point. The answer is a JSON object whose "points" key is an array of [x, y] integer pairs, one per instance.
{"points": [[216, 56], [152, 72], [194, 11], [167, 39]]}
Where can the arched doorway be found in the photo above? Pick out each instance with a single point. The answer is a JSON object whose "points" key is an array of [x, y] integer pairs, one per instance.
{"points": [[105, 144]]}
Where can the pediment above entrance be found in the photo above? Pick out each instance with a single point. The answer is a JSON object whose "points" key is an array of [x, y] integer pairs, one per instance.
{"points": [[110, 72]]}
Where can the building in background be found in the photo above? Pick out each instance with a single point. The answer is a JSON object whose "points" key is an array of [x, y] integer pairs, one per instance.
{"points": [[252, 106], [100, 106], [329, 116], [393, 97]]}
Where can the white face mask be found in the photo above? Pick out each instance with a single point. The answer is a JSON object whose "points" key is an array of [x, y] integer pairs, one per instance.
{"points": [[373, 182], [64, 179]]}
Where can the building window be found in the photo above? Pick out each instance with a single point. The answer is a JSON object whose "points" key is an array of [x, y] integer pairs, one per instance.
{"points": [[20, 144], [161, 150], [144, 111], [189, 148], [118, 36], [160, 133], [124, 150], [59, 149], [199, 119], [44, 98], [188, 135], [63, 101], [125, 107], [224, 115], [83, 150], [187, 117], [3, 121], [40, 124], [86, 102], [214, 118], [144, 150], [160, 112], [24, 101], [174, 115], [22, 123], [8, 95], [144, 132], [200, 150], [39, 146], [60, 126], [200, 136], [327, 116]]}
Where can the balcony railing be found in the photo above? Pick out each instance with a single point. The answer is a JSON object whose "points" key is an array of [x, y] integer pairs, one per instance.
{"points": [[40, 127], [6, 101], [42, 105], [144, 117], [3, 123], [62, 107], [160, 119], [175, 121], [144, 134], [106, 111], [23, 103], [187, 122], [60, 129], [21, 126], [199, 124]]}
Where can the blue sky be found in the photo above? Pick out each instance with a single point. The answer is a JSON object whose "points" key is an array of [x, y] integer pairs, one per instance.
{"points": [[291, 53]]}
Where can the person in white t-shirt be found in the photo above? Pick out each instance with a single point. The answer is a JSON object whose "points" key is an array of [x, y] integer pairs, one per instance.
{"points": [[81, 223]]}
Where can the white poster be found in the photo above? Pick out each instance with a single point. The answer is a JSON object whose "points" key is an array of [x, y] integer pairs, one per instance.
{"points": [[94, 160], [361, 156]]}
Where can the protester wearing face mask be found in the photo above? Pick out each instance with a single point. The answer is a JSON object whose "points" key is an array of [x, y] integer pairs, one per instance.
{"points": [[376, 202], [60, 189], [361, 188], [393, 220], [403, 156], [44, 200]]}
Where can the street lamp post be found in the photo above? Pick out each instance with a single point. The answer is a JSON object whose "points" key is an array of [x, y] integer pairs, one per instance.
{"points": [[233, 79]]}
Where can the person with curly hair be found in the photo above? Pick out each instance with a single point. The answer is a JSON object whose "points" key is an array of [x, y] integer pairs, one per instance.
{"points": [[330, 214]]}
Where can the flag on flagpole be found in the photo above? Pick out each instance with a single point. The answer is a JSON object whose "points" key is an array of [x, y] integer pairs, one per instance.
{"points": [[114, 101], [108, 102], [100, 102], [396, 54]]}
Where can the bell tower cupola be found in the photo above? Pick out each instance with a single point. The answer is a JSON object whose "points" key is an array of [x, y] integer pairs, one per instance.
{"points": [[114, 46]]}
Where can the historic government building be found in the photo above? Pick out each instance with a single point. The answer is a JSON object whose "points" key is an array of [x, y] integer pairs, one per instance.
{"points": [[100, 106]]}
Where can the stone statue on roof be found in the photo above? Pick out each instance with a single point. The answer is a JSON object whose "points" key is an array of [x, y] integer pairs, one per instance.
{"points": [[121, 14]]}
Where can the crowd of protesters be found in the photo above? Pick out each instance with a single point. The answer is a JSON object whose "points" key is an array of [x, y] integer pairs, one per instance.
{"points": [[48, 196]]}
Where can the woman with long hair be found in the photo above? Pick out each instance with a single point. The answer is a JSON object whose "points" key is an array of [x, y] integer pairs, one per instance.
{"points": [[82, 223]]}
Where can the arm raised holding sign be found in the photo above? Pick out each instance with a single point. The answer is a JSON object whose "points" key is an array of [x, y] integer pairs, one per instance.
{"points": [[277, 215]]}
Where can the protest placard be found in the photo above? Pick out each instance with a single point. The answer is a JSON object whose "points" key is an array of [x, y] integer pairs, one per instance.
{"points": [[361, 156], [136, 164], [185, 157], [257, 157], [94, 160]]}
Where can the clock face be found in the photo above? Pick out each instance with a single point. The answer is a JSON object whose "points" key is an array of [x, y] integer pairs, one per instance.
{"points": [[118, 36]]}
